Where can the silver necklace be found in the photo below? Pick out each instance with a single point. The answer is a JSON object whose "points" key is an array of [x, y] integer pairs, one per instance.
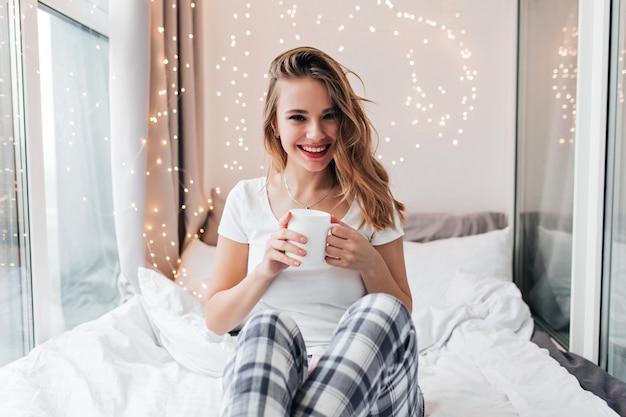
{"points": [[299, 203]]}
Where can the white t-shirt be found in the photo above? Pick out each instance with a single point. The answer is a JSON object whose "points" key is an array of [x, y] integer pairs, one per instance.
{"points": [[315, 297]]}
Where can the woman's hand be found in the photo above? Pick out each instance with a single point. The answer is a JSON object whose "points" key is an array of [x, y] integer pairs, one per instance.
{"points": [[347, 248], [276, 258], [382, 267]]}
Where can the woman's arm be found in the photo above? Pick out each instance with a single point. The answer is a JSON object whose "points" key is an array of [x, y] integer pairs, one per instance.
{"points": [[382, 267], [392, 254], [233, 292]]}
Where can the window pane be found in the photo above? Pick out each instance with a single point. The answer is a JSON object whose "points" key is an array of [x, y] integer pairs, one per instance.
{"points": [[545, 159], [614, 277], [75, 119], [100, 4], [15, 322]]}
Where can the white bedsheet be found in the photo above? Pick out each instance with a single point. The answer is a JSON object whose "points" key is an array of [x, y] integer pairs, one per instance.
{"points": [[482, 363], [475, 360], [109, 367], [153, 356]]}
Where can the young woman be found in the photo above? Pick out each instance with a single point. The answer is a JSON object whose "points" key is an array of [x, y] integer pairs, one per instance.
{"points": [[333, 340]]}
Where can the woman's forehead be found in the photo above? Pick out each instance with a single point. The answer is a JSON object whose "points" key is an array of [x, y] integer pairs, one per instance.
{"points": [[306, 94]]}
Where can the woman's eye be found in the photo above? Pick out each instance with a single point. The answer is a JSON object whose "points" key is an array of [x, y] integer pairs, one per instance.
{"points": [[329, 116], [297, 117]]}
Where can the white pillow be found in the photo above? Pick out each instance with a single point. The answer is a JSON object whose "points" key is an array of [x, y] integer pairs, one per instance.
{"points": [[432, 266], [178, 321], [195, 268]]}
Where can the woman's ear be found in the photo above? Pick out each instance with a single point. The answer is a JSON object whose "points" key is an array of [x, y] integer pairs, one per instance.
{"points": [[276, 133]]}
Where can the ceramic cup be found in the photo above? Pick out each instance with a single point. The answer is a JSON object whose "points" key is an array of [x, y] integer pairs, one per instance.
{"points": [[315, 225]]}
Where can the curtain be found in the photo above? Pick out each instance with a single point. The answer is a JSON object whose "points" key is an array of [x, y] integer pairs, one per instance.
{"points": [[157, 132]]}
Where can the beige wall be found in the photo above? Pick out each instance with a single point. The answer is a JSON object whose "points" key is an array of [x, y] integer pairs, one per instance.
{"points": [[464, 164]]}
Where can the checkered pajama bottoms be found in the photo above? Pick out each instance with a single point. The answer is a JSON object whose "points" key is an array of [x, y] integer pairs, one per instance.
{"points": [[369, 369]]}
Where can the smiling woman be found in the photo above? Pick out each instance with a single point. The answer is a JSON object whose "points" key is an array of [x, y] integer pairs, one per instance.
{"points": [[320, 142]]}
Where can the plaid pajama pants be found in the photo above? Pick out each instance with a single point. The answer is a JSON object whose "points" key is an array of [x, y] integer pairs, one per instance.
{"points": [[369, 369]]}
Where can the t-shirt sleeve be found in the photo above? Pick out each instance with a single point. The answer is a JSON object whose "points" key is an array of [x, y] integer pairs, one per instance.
{"points": [[389, 234], [232, 221]]}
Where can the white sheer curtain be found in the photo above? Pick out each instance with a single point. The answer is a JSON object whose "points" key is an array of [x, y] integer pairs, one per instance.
{"points": [[156, 132], [74, 92]]}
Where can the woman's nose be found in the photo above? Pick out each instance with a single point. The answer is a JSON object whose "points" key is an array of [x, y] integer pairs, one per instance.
{"points": [[315, 131]]}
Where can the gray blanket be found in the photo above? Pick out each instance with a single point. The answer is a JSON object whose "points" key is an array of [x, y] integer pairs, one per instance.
{"points": [[591, 377]]}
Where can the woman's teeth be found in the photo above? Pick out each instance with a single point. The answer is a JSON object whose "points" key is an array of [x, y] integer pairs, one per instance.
{"points": [[316, 149]]}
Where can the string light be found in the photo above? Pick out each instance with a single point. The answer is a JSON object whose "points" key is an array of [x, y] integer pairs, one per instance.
{"points": [[160, 164], [564, 78], [434, 114], [438, 114], [432, 109]]}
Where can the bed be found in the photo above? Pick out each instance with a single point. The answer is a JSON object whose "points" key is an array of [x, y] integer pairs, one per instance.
{"points": [[152, 355]]}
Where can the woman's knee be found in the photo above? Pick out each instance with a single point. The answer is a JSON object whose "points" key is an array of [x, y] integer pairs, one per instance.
{"points": [[269, 323], [386, 317], [384, 304], [272, 327]]}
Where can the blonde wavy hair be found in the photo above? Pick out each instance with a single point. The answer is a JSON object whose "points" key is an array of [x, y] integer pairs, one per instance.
{"points": [[361, 176]]}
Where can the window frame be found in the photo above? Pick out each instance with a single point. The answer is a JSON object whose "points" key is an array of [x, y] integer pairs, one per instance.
{"points": [[18, 131], [83, 12], [589, 181]]}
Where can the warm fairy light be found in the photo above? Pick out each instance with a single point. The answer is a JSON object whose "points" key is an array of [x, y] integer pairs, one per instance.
{"points": [[160, 164], [421, 101], [564, 87], [435, 109]]}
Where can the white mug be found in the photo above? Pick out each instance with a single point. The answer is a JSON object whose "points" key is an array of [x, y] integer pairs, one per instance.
{"points": [[315, 225]]}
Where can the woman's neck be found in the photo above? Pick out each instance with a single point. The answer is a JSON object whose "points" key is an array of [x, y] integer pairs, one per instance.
{"points": [[314, 190], [308, 183]]}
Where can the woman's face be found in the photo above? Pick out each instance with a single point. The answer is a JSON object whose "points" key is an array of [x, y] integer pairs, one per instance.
{"points": [[306, 122]]}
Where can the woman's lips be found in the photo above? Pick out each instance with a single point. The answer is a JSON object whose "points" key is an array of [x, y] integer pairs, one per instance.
{"points": [[314, 151]]}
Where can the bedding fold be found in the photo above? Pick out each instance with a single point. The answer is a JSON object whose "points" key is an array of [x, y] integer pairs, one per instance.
{"points": [[497, 303]]}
